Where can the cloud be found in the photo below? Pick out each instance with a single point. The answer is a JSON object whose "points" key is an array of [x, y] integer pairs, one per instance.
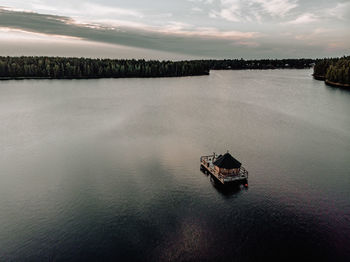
{"points": [[304, 19], [215, 33], [317, 33], [201, 1], [11, 9], [341, 11], [230, 10], [85, 9], [173, 36], [102, 10], [336, 46], [188, 30], [173, 28], [8, 33], [112, 26], [252, 10], [277, 8], [197, 9], [247, 44]]}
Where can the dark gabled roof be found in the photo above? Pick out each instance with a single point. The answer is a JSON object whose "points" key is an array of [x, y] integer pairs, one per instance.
{"points": [[227, 161]]}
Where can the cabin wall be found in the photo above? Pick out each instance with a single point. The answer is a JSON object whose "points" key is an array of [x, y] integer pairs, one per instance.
{"points": [[227, 171], [217, 169]]}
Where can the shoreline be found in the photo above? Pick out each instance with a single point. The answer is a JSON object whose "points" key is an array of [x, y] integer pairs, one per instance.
{"points": [[335, 84], [86, 78], [319, 77], [45, 67], [330, 83], [336, 69], [116, 77]]}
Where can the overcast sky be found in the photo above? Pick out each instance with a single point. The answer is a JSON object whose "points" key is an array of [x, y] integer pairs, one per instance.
{"points": [[187, 28]]}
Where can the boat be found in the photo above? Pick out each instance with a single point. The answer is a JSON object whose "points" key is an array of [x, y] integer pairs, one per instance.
{"points": [[224, 168]]}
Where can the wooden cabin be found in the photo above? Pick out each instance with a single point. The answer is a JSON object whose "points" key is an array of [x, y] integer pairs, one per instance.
{"points": [[224, 168], [227, 164]]}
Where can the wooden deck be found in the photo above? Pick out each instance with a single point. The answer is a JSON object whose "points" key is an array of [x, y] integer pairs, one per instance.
{"points": [[208, 166]]}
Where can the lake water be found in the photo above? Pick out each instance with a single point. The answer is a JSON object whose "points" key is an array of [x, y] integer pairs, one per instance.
{"points": [[108, 169]]}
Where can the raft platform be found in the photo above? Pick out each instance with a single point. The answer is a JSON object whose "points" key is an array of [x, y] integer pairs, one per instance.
{"points": [[234, 175]]}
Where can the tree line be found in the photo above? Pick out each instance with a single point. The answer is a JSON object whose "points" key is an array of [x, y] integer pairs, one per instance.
{"points": [[238, 64], [335, 71], [71, 67]]}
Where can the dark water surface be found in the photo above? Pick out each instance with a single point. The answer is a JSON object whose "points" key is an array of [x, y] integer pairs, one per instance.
{"points": [[109, 169]]}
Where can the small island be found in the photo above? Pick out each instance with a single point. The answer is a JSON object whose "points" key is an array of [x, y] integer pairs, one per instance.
{"points": [[39, 67], [334, 71]]}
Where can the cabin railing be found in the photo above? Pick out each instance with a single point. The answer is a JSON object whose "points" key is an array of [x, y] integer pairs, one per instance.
{"points": [[210, 158]]}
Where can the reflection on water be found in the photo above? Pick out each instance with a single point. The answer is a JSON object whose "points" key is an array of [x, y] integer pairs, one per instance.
{"points": [[107, 169], [227, 189]]}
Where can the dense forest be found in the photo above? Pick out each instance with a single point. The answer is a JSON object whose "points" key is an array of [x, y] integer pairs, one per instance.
{"points": [[335, 71], [63, 67], [237, 64]]}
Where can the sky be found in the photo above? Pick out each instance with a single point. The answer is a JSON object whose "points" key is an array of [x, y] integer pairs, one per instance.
{"points": [[181, 29]]}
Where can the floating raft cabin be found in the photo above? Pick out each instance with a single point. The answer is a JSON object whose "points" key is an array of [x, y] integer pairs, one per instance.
{"points": [[225, 168]]}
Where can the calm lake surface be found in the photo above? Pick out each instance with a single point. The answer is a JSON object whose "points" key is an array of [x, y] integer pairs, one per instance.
{"points": [[109, 169]]}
